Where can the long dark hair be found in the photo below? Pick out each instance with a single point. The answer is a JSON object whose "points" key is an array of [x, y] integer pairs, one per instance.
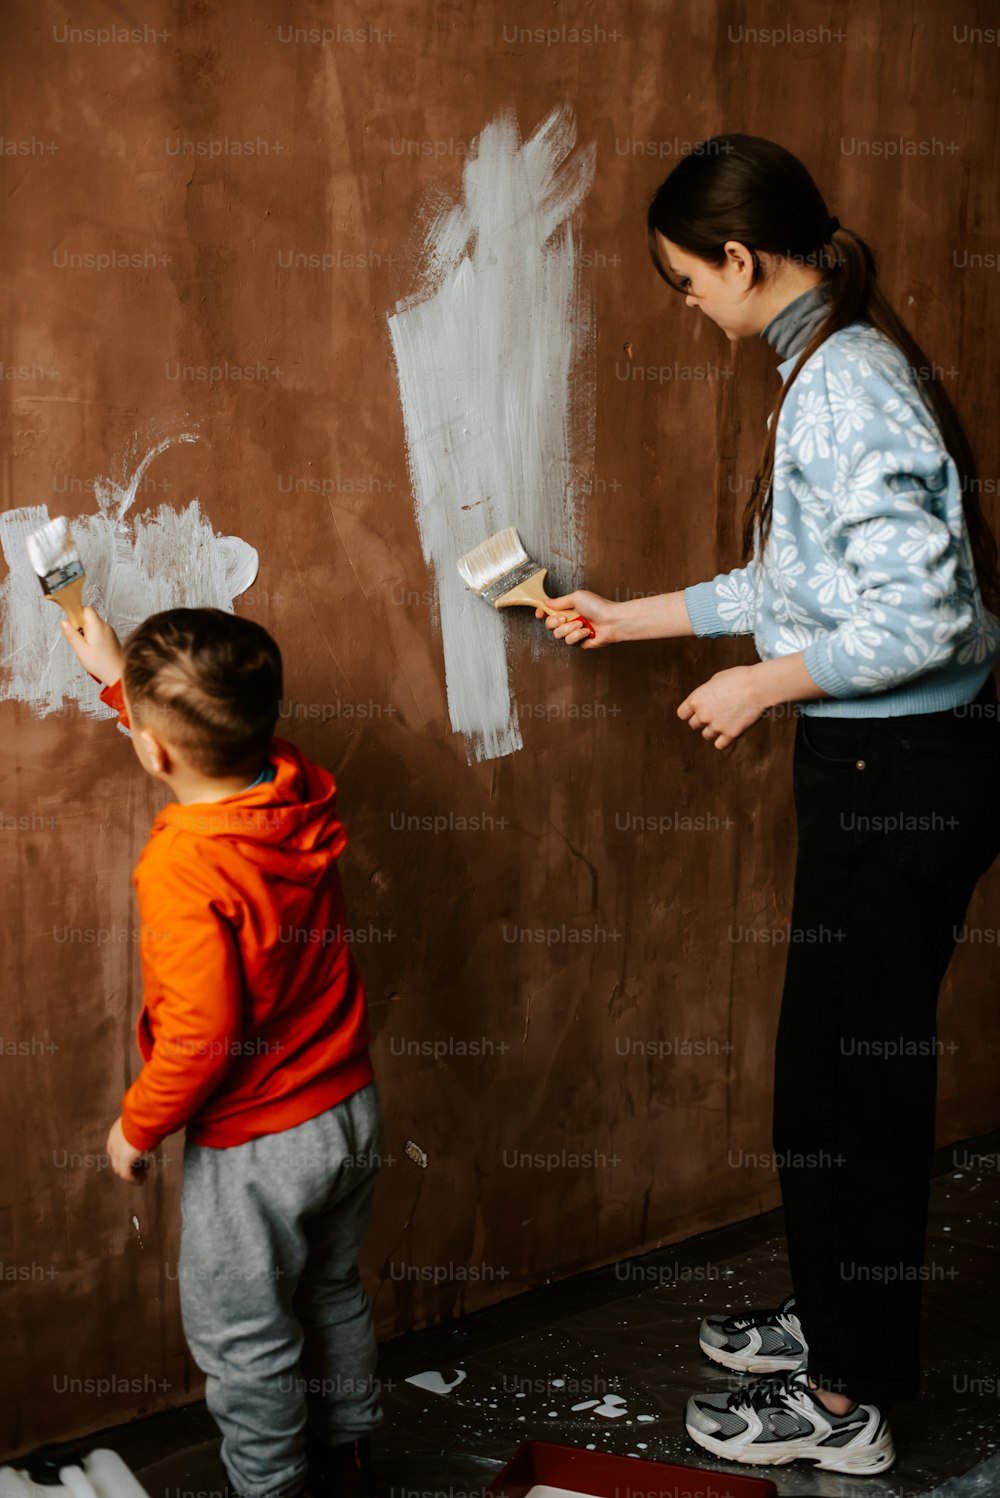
{"points": [[744, 188]]}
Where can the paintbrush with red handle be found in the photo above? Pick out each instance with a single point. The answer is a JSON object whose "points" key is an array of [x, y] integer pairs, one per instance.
{"points": [[501, 572]]}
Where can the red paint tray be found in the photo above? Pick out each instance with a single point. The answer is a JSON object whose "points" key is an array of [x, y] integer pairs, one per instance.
{"points": [[604, 1476]]}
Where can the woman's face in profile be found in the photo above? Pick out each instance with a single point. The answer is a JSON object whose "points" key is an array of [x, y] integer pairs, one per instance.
{"points": [[720, 292]]}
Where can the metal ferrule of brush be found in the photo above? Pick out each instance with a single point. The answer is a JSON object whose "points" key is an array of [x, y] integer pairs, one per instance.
{"points": [[510, 580], [61, 577]]}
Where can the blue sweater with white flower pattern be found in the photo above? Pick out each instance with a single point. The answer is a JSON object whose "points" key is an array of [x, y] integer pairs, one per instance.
{"points": [[868, 569]]}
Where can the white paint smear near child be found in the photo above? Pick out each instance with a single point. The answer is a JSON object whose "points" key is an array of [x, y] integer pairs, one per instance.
{"points": [[170, 559]]}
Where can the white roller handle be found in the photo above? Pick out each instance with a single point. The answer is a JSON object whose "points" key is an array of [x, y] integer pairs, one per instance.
{"points": [[76, 1482], [14, 1484], [111, 1477]]}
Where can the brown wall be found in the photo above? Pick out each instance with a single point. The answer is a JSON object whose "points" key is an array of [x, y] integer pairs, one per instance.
{"points": [[97, 1303]]}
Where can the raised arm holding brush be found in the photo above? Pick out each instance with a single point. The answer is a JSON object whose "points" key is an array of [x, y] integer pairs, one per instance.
{"points": [[868, 568], [254, 1037]]}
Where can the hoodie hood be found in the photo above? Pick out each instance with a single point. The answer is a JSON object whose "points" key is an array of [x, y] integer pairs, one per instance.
{"points": [[291, 818]]}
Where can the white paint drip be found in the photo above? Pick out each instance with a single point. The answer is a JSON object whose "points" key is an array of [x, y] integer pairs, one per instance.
{"points": [[612, 1406], [499, 424], [436, 1383], [134, 568]]}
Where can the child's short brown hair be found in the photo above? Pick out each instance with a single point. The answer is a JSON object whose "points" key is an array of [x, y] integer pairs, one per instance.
{"points": [[211, 682]]}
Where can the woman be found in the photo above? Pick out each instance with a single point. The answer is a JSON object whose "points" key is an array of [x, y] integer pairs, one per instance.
{"points": [[867, 565]]}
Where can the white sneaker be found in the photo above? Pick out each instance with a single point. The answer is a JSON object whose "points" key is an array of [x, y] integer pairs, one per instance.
{"points": [[755, 1341], [778, 1419]]}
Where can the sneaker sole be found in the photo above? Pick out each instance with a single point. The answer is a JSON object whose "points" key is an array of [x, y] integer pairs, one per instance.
{"points": [[753, 1364], [879, 1456]]}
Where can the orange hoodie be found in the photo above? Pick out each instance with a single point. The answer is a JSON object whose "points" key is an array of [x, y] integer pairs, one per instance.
{"points": [[254, 1012]]}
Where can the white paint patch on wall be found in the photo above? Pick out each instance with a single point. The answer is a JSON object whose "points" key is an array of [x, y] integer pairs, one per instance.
{"points": [[491, 353], [167, 559]]}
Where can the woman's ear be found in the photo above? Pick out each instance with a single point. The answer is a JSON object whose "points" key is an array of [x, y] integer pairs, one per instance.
{"points": [[740, 259]]}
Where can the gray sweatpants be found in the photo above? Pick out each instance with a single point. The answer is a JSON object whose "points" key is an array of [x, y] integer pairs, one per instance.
{"points": [[273, 1306]]}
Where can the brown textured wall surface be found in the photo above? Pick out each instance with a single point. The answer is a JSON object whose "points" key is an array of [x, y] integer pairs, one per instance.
{"points": [[90, 1325]]}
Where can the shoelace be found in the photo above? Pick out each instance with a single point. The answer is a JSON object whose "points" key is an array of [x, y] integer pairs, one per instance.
{"points": [[769, 1389], [777, 1317]]}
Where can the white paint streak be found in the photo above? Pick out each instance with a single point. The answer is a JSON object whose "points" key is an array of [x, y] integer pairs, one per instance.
{"points": [[167, 559], [499, 424]]}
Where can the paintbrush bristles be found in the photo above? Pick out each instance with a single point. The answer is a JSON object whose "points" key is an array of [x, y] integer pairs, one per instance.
{"points": [[53, 554], [492, 559]]}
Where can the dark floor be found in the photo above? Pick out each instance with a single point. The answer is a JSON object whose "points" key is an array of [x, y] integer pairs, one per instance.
{"points": [[630, 1330]]}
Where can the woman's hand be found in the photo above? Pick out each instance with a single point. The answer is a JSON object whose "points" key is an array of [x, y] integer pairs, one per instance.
{"points": [[601, 612], [726, 705], [98, 649]]}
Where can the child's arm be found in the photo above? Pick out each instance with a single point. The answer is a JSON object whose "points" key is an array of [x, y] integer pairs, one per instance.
{"points": [[190, 959], [98, 649], [100, 653]]}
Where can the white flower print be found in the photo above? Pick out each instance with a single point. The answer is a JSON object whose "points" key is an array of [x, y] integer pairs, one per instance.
{"points": [[810, 436], [787, 611], [951, 619], [734, 600], [784, 565], [923, 652], [982, 641], [858, 636], [927, 544], [855, 475], [877, 678], [880, 591], [811, 499], [923, 656], [849, 405], [831, 580], [870, 539], [899, 418], [793, 638]]}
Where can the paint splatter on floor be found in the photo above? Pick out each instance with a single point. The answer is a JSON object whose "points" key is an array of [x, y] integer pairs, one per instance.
{"points": [[435, 1382]]}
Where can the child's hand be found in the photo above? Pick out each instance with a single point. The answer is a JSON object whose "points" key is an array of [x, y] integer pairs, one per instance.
{"points": [[128, 1163], [98, 649]]}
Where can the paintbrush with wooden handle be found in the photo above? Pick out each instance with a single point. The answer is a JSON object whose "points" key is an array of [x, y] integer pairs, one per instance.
{"points": [[501, 572], [55, 558]]}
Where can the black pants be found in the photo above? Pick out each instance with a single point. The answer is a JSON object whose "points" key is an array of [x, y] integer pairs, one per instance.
{"points": [[897, 819]]}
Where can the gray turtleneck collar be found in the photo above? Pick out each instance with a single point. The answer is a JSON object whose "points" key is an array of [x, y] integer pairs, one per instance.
{"points": [[789, 330]]}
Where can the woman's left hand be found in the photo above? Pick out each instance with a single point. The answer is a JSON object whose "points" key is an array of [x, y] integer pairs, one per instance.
{"points": [[724, 706]]}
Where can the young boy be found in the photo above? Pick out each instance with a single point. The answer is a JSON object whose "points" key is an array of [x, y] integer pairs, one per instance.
{"points": [[254, 1039]]}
